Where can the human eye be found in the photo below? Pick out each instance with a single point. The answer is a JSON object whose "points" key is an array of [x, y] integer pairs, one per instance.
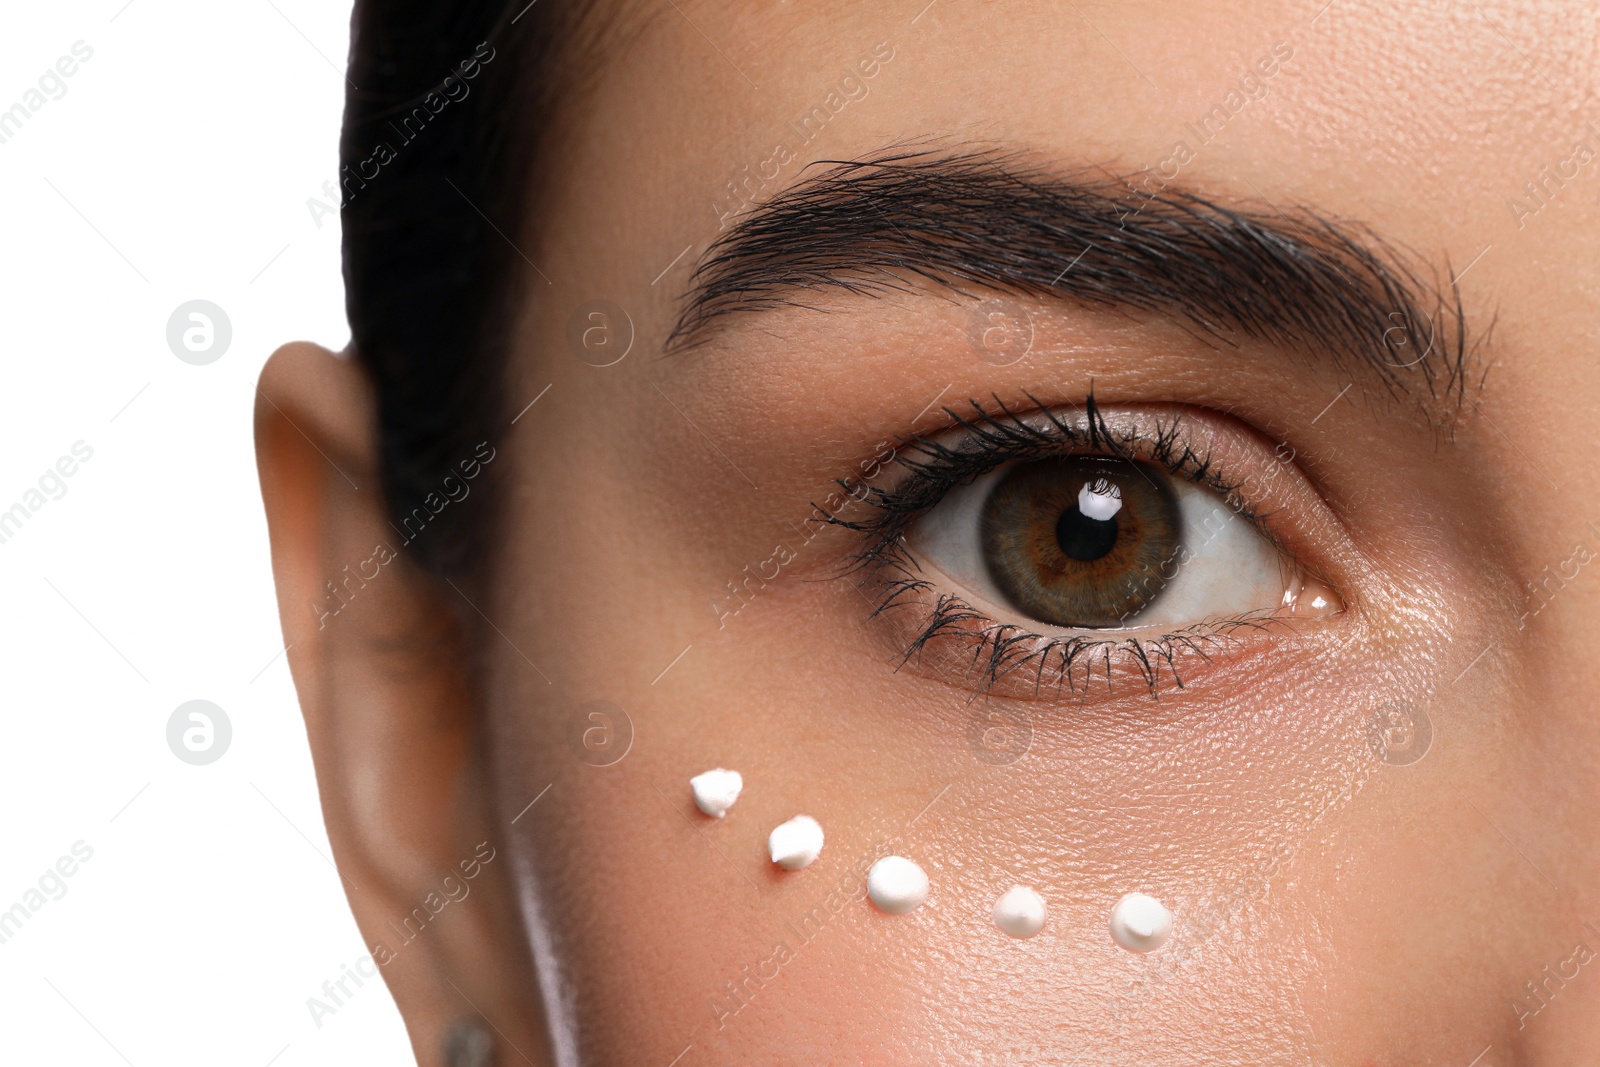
{"points": [[1055, 546]]}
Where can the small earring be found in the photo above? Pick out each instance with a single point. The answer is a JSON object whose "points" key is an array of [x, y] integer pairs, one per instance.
{"points": [[468, 1045]]}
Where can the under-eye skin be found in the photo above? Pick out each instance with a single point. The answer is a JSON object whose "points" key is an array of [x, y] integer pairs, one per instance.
{"points": [[1058, 545]]}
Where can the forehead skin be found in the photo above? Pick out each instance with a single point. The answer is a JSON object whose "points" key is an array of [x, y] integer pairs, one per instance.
{"points": [[1335, 910]]}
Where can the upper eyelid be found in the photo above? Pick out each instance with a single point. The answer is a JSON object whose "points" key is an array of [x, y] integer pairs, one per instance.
{"points": [[1042, 432]]}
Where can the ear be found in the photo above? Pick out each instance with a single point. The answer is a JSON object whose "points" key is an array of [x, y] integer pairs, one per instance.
{"points": [[377, 652]]}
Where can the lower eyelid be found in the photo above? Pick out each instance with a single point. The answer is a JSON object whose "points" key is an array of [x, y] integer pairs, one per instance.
{"points": [[945, 639]]}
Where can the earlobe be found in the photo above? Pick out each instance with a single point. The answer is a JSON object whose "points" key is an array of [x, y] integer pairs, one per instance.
{"points": [[375, 651]]}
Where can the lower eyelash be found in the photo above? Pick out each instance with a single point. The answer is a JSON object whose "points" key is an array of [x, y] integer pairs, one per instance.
{"points": [[1070, 662]]}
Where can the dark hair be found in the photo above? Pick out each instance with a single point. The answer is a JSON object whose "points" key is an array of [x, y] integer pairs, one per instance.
{"points": [[438, 135]]}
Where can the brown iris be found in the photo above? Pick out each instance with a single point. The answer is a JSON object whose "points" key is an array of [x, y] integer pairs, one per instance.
{"points": [[1083, 541]]}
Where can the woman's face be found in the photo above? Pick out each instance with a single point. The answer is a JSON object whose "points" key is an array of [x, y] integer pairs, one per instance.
{"points": [[1369, 811]]}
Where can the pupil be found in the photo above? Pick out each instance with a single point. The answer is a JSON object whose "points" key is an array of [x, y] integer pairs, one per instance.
{"points": [[1085, 539]]}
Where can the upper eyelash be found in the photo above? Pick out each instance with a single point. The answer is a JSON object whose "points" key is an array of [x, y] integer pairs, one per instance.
{"points": [[994, 438]]}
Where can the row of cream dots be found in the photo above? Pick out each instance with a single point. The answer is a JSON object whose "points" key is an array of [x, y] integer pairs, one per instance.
{"points": [[896, 885]]}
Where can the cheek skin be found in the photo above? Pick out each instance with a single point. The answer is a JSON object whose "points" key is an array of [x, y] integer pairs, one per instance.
{"points": [[1234, 808], [656, 906]]}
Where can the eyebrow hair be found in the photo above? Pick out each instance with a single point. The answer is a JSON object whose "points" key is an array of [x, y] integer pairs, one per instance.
{"points": [[1292, 278]]}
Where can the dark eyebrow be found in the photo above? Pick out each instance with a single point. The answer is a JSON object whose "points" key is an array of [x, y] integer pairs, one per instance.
{"points": [[1292, 278]]}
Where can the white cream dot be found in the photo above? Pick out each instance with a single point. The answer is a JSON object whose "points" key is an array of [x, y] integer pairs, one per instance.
{"points": [[715, 791], [1020, 912], [896, 885], [796, 843], [1140, 923]]}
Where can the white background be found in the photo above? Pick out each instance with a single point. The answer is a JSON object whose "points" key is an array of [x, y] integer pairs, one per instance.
{"points": [[177, 166]]}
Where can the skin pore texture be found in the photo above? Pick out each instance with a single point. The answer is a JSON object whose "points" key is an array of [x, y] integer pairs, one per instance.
{"points": [[1331, 907]]}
